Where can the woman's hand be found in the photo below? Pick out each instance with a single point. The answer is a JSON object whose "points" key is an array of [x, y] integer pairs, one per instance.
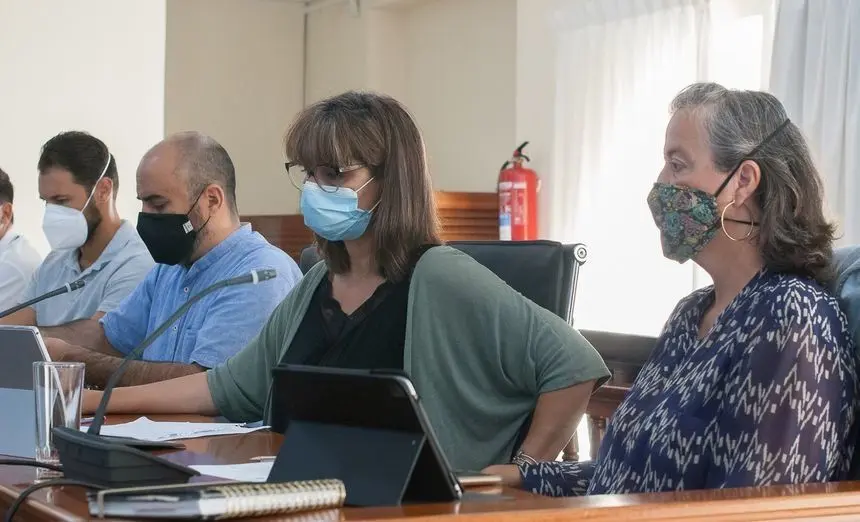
{"points": [[510, 474]]}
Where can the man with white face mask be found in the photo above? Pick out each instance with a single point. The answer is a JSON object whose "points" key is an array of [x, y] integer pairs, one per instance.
{"points": [[78, 181], [18, 260]]}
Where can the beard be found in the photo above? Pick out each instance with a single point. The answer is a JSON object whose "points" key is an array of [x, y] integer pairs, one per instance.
{"points": [[200, 234], [94, 219]]}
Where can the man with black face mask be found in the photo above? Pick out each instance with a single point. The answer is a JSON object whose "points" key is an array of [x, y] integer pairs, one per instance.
{"points": [[190, 224], [78, 181]]}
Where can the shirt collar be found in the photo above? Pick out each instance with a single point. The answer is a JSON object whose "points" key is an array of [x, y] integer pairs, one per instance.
{"points": [[220, 250], [124, 234], [7, 238]]}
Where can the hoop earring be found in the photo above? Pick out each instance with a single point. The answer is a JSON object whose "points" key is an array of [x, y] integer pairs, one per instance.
{"points": [[723, 224]]}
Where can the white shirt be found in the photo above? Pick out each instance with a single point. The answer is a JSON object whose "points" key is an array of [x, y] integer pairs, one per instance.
{"points": [[18, 262]]}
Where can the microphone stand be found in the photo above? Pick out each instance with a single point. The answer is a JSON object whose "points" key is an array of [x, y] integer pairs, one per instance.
{"points": [[116, 461], [68, 287], [99, 415]]}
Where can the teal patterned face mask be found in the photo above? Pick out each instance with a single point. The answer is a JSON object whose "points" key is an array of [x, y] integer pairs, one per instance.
{"points": [[688, 218]]}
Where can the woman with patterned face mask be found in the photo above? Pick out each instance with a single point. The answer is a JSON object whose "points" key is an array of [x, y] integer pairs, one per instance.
{"points": [[753, 380]]}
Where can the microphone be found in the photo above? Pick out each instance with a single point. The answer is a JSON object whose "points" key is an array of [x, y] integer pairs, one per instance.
{"points": [[65, 289], [83, 454]]}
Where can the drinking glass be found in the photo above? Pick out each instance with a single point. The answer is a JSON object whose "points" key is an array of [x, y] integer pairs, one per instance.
{"points": [[58, 388]]}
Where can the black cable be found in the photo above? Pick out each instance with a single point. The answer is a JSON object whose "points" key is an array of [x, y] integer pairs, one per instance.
{"points": [[30, 462], [22, 497]]}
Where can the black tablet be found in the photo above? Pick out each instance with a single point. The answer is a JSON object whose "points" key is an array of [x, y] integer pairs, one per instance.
{"points": [[20, 347], [364, 427]]}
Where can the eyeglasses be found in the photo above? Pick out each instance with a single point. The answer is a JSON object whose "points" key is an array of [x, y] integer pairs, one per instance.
{"points": [[330, 179]]}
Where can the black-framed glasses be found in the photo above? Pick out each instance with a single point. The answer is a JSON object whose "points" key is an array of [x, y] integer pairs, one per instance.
{"points": [[330, 179]]}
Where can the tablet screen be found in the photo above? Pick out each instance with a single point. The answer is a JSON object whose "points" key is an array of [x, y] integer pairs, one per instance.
{"points": [[20, 347]]}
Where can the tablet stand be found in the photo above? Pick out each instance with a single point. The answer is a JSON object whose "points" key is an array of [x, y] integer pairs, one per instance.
{"points": [[378, 467]]}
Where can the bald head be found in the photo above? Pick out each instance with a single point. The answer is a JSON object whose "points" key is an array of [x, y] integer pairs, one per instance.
{"points": [[192, 159]]}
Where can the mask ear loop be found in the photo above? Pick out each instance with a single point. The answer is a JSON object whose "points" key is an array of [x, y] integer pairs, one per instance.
{"points": [[749, 156], [723, 224], [104, 171], [366, 183], [187, 227]]}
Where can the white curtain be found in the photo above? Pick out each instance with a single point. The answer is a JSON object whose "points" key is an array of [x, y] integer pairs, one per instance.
{"points": [[816, 73], [619, 65]]}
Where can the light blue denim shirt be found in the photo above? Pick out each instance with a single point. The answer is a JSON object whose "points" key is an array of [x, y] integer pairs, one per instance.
{"points": [[122, 265], [847, 286], [220, 324]]}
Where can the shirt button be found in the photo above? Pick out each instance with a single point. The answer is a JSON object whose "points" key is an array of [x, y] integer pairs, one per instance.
{"points": [[175, 328], [185, 289]]}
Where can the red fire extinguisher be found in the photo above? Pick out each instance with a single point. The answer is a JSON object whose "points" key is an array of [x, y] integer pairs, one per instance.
{"points": [[518, 190]]}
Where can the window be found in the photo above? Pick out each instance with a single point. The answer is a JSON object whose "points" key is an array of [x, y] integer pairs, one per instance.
{"points": [[616, 78], [619, 66]]}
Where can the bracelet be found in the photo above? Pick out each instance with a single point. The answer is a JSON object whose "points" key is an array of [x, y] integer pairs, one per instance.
{"points": [[523, 458]]}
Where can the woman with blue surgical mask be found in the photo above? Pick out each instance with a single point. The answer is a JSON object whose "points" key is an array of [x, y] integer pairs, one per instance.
{"points": [[330, 209], [389, 295]]}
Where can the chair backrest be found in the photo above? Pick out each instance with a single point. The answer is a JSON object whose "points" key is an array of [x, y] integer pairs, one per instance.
{"points": [[309, 257], [547, 272], [846, 286], [624, 354]]}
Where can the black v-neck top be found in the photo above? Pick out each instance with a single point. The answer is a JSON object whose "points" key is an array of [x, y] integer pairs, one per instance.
{"points": [[371, 338]]}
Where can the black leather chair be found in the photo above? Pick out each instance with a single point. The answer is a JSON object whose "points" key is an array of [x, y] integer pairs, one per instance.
{"points": [[624, 354], [546, 272]]}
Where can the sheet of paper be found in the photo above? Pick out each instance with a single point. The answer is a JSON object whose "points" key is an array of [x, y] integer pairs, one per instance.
{"points": [[250, 472], [146, 429]]}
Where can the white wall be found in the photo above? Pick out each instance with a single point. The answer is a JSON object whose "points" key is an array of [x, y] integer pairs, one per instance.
{"points": [[461, 87], [478, 75], [94, 65], [336, 52], [535, 92], [234, 71], [452, 62]]}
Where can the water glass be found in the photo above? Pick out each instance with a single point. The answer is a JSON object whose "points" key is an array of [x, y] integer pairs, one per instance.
{"points": [[58, 388]]}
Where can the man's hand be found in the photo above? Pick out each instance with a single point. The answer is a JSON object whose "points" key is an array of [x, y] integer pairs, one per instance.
{"points": [[60, 350]]}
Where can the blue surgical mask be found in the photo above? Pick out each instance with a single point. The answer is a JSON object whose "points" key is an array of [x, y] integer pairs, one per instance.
{"points": [[334, 216]]}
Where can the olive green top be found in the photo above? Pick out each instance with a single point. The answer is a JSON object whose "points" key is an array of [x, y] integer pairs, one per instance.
{"points": [[478, 352]]}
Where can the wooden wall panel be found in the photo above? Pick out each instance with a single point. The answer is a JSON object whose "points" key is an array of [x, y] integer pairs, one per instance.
{"points": [[464, 216], [468, 215], [287, 232]]}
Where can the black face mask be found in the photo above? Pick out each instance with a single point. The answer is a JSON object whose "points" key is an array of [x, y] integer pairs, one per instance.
{"points": [[170, 238]]}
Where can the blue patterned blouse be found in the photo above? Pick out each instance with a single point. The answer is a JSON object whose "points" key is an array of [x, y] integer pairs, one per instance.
{"points": [[768, 396]]}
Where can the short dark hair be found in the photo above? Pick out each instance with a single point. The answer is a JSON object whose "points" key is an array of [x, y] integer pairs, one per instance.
{"points": [[205, 162], [7, 191], [83, 155], [377, 131]]}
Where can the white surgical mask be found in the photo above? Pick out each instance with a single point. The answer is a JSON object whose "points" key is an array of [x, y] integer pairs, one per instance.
{"points": [[65, 227]]}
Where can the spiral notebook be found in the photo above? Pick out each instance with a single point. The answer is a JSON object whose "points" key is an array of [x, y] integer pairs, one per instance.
{"points": [[217, 500]]}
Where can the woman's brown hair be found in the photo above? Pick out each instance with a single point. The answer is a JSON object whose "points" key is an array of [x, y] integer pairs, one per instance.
{"points": [[377, 131], [794, 236]]}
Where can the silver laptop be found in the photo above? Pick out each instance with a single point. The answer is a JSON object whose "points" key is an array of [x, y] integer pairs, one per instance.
{"points": [[20, 347]]}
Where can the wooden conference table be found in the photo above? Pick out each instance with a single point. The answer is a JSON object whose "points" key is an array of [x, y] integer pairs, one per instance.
{"points": [[838, 501]]}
